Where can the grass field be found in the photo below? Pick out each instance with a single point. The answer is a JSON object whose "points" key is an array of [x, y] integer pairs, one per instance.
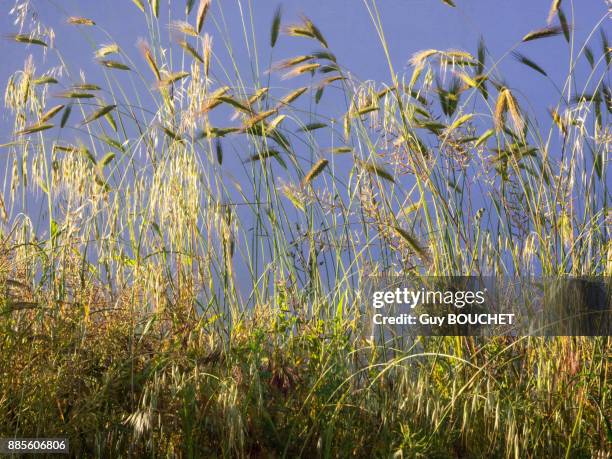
{"points": [[183, 243]]}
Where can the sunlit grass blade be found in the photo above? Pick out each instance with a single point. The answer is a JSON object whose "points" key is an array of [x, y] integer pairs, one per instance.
{"points": [[34, 128], [99, 113], [113, 64], [27, 39], [544, 32]]}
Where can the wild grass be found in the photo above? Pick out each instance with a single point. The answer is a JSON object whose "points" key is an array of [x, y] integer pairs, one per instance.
{"points": [[183, 245]]}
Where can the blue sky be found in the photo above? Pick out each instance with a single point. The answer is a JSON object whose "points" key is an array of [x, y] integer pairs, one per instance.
{"points": [[410, 26]]}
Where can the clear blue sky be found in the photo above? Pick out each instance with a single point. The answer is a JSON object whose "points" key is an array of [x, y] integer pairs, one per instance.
{"points": [[410, 25]]}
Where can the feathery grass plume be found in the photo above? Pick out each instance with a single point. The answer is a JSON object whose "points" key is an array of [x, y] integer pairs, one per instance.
{"points": [[276, 22], [459, 122], [170, 78], [326, 55], [27, 39], [299, 70], [183, 27], [76, 20], [202, 12], [419, 58], [44, 80], [65, 116], [66, 148], [288, 63], [346, 127], [484, 137], [191, 50], [34, 128], [293, 95], [251, 101], [144, 48], [105, 50], [377, 170], [507, 103], [412, 242], [85, 87], [306, 29], [340, 150], [259, 117], [275, 122], [98, 114], [513, 108], [207, 46], [468, 80], [544, 32], [214, 132], [312, 127], [213, 99], [500, 110], [261, 92], [315, 171], [554, 9], [139, 4], [528, 62], [75, 95], [327, 81], [458, 57], [113, 64], [294, 195], [50, 113]]}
